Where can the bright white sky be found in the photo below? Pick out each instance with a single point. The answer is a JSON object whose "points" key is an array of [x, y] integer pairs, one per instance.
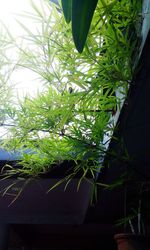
{"points": [[25, 80]]}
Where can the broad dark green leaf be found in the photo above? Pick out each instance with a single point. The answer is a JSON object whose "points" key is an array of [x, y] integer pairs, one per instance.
{"points": [[82, 13], [67, 8]]}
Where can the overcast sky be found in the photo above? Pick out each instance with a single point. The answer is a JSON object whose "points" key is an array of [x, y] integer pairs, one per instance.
{"points": [[9, 11]]}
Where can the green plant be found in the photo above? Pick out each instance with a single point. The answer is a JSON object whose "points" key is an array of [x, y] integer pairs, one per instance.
{"points": [[6, 86], [136, 207], [73, 118], [80, 13], [132, 187]]}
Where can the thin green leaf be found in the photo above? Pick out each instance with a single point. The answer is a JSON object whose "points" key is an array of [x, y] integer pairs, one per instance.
{"points": [[82, 13], [67, 6], [58, 183]]}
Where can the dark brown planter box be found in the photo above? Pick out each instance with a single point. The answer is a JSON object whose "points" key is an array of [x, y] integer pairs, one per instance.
{"points": [[35, 205]]}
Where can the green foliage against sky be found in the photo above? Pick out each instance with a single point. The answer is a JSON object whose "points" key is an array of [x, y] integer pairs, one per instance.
{"points": [[80, 13], [71, 119]]}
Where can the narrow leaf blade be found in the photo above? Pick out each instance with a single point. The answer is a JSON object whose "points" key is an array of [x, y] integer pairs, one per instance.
{"points": [[67, 8], [82, 13]]}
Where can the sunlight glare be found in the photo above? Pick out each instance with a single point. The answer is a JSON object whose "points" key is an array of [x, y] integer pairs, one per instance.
{"points": [[26, 82]]}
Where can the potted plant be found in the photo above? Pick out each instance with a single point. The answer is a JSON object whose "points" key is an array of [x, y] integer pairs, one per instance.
{"points": [[130, 189], [131, 242], [51, 141], [73, 119], [136, 217]]}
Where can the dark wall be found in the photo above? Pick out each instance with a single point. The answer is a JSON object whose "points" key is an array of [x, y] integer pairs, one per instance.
{"points": [[130, 150]]}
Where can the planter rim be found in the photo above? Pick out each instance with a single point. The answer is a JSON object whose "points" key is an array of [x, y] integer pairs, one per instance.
{"points": [[128, 235]]}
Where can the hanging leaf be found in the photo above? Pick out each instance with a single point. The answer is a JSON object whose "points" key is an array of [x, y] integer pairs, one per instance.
{"points": [[67, 7], [82, 13]]}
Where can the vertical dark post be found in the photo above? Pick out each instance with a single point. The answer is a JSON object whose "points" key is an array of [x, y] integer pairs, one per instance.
{"points": [[4, 236]]}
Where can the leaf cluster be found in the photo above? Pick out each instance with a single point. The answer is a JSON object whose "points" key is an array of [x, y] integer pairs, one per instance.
{"points": [[73, 117]]}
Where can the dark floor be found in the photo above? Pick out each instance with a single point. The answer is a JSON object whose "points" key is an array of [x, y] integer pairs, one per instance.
{"points": [[60, 237]]}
